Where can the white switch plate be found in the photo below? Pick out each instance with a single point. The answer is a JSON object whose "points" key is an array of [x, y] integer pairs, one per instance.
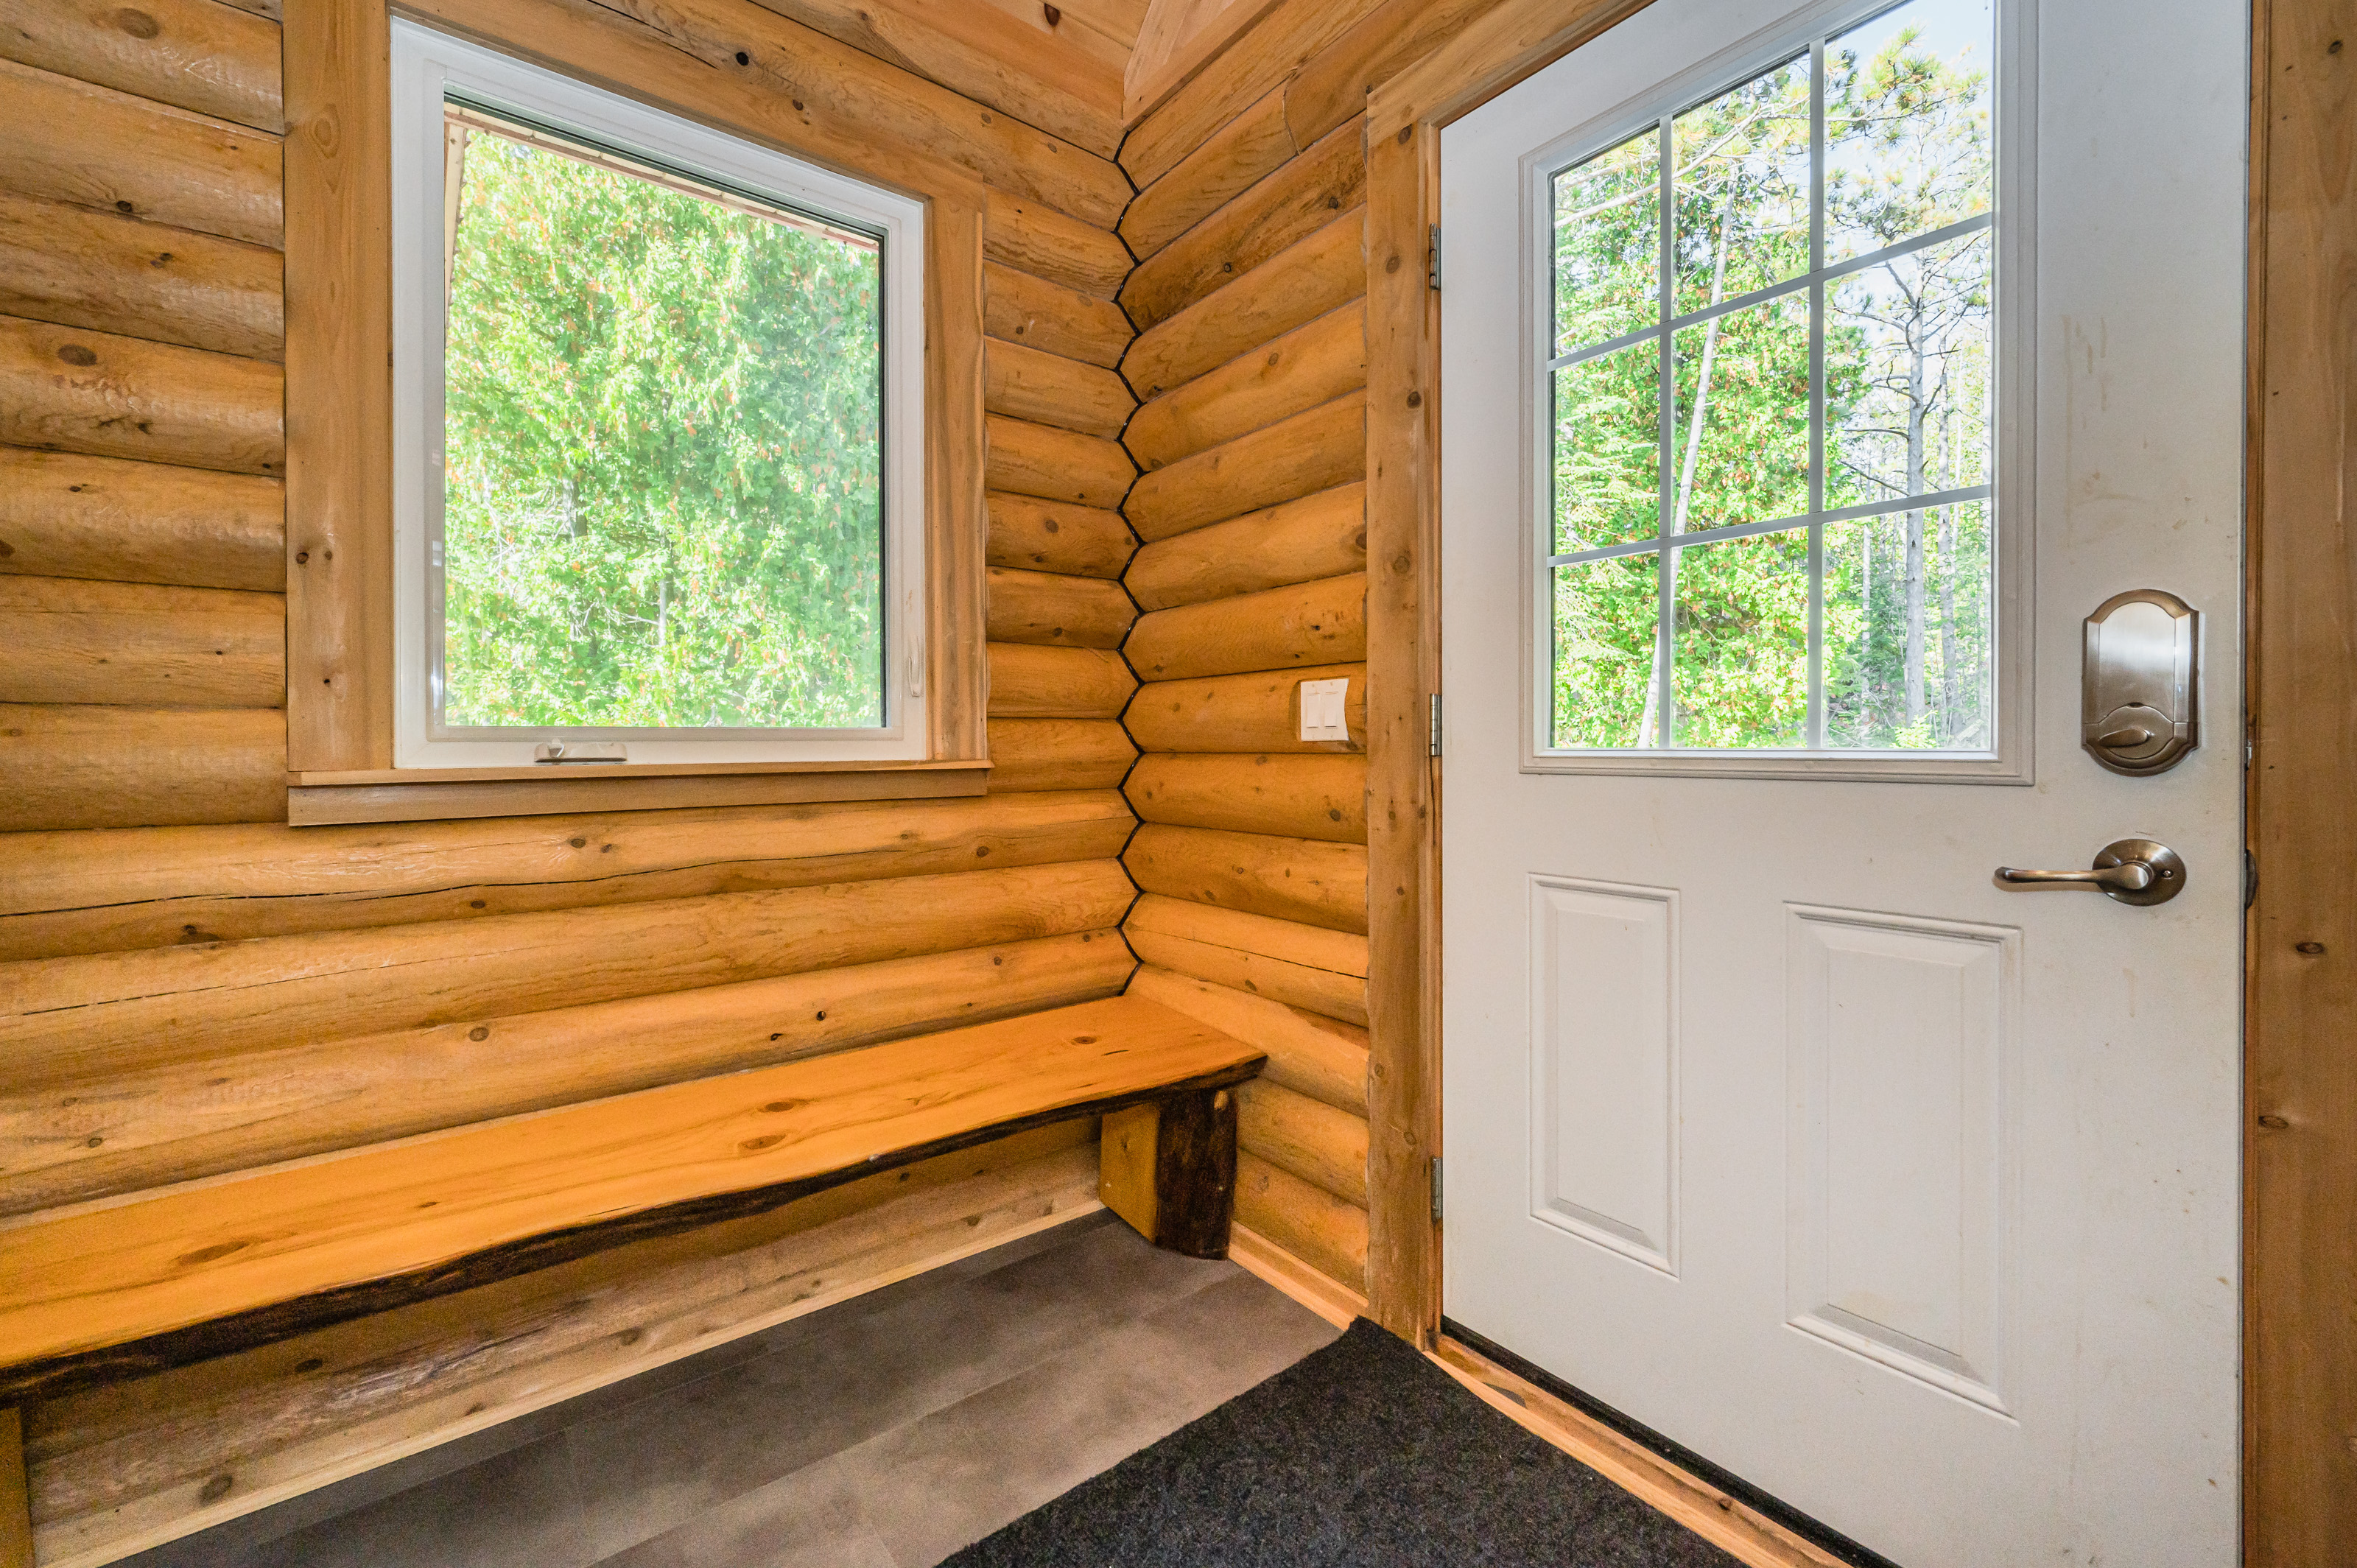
{"points": [[1322, 710]]}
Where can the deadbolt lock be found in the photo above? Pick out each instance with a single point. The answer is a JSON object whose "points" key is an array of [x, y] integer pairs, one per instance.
{"points": [[2140, 682]]}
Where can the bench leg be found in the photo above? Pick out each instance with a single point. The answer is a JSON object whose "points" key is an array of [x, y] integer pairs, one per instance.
{"points": [[1169, 1169], [15, 1494]]}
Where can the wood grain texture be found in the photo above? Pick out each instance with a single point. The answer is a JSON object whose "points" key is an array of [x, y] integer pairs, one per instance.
{"points": [[71, 141], [67, 893], [1307, 1052], [982, 53], [171, 1278], [83, 767], [1125, 1166], [1310, 365], [321, 799], [1053, 610], [1238, 155], [2300, 1150], [1059, 754], [1027, 383], [1305, 1137], [1269, 792], [1330, 1298], [191, 54], [102, 1015], [1178, 38], [1281, 40], [1486, 56], [68, 515], [1307, 623], [1031, 682], [132, 644], [1020, 308], [1032, 237], [1311, 451], [1259, 711], [1320, 273], [77, 267], [65, 389], [1323, 1230], [957, 707], [1195, 1172], [1307, 967], [1321, 536], [805, 92], [126, 1466], [138, 1129], [1041, 535], [1402, 667], [1332, 86], [1056, 465], [1320, 884], [1284, 206], [15, 1494]]}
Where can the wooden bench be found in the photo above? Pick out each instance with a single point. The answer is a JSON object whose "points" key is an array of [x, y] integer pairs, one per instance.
{"points": [[123, 1287]]}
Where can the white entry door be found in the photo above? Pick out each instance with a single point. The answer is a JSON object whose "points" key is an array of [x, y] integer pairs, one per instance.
{"points": [[1811, 375]]}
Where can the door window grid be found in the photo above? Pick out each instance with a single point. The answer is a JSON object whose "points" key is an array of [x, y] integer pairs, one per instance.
{"points": [[1674, 460]]}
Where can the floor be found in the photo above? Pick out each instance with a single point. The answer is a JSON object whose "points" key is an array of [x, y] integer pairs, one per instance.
{"points": [[886, 1432]]}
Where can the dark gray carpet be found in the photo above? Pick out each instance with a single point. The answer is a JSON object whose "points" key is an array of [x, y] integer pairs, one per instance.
{"points": [[1362, 1453]]}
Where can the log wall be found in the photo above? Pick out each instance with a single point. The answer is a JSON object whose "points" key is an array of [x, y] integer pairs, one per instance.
{"points": [[189, 986]]}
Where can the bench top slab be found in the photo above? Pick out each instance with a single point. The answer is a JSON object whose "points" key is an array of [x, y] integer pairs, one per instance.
{"points": [[76, 1281]]}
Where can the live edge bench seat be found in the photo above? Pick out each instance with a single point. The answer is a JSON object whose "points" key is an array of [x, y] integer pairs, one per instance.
{"points": [[125, 1286]]}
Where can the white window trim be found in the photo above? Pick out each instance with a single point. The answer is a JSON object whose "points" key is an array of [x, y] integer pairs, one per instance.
{"points": [[2013, 660], [425, 65]]}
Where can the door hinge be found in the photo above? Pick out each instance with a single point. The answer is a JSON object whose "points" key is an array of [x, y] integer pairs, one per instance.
{"points": [[1436, 1188], [1432, 261], [1436, 723]]}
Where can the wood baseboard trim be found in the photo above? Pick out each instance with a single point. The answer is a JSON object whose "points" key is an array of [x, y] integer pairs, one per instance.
{"points": [[1725, 1522], [1330, 1299]]}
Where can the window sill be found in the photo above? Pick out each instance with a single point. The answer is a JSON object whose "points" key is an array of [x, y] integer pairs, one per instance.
{"points": [[413, 795]]}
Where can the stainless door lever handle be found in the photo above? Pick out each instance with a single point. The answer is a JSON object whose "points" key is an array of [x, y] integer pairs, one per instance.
{"points": [[2134, 871]]}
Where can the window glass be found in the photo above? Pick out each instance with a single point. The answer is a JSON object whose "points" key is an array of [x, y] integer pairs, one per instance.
{"points": [[1798, 555], [663, 449]]}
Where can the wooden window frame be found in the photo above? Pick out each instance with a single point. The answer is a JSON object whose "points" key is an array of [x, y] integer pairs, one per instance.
{"points": [[340, 418]]}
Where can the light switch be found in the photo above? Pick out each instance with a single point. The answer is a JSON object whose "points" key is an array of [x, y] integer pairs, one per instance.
{"points": [[1321, 710]]}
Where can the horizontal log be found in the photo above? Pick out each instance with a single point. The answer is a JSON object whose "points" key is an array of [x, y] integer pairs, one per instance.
{"points": [[85, 767], [1320, 273], [65, 389], [1321, 536], [1059, 754], [125, 1466], [1307, 1052], [1322, 1230], [1266, 792], [1310, 365], [140, 1130], [1332, 86], [1028, 682], [1285, 879], [1035, 535], [982, 53], [1322, 622], [1285, 206], [1192, 940], [1256, 711], [1026, 383], [67, 893], [1254, 143], [66, 515], [1261, 58], [825, 96], [132, 644], [69, 1019], [70, 266], [191, 54], [70, 141], [1034, 238], [1304, 1137], [1314, 450], [1053, 610], [1019, 307], [1056, 465]]}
